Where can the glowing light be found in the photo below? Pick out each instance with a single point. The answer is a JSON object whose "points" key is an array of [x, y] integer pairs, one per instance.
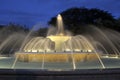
{"points": [[59, 17], [89, 50], [78, 50], [28, 50], [34, 50], [67, 50], [49, 50], [40, 50]]}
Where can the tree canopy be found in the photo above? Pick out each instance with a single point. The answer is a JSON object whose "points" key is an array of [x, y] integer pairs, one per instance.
{"points": [[75, 18]]}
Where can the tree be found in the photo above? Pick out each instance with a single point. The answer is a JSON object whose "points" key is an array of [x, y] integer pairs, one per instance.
{"points": [[117, 24], [41, 32], [75, 18], [16, 28]]}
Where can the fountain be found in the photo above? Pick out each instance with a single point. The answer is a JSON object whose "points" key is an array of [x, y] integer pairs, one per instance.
{"points": [[61, 55], [60, 47], [63, 51]]}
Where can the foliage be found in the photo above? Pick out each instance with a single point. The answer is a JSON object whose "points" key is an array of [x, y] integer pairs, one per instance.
{"points": [[41, 32], [75, 18]]}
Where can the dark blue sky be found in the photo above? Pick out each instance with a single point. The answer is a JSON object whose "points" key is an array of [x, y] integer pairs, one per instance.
{"points": [[30, 12]]}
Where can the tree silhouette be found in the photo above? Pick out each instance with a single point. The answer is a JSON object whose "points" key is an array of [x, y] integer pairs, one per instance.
{"points": [[41, 32], [75, 18]]}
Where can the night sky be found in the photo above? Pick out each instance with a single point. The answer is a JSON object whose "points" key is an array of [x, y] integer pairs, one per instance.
{"points": [[31, 12]]}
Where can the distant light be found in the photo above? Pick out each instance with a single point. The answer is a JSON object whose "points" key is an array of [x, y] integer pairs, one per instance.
{"points": [[116, 57], [34, 50], [68, 50], [40, 50], [77, 50], [107, 56], [89, 50], [28, 51]]}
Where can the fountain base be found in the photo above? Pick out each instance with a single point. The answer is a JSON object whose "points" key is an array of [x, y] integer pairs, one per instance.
{"points": [[55, 57]]}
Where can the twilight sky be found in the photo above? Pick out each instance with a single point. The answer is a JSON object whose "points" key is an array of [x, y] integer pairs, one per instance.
{"points": [[30, 12]]}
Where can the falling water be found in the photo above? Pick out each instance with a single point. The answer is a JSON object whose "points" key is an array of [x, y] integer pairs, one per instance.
{"points": [[109, 41], [73, 60], [92, 48], [14, 63], [99, 44], [62, 43], [26, 38], [23, 44], [43, 61], [5, 43], [43, 58], [9, 42]]}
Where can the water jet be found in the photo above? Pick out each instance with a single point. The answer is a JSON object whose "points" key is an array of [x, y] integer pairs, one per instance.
{"points": [[62, 51], [58, 48]]}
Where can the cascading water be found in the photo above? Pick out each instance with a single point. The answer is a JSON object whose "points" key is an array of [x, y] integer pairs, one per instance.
{"points": [[60, 44], [61, 50]]}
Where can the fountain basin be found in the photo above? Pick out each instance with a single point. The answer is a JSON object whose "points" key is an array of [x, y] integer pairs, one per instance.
{"points": [[96, 74], [55, 57]]}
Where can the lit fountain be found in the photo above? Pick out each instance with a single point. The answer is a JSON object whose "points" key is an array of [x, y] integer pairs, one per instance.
{"points": [[61, 55], [60, 47]]}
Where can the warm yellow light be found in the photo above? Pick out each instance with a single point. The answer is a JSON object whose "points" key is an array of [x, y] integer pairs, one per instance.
{"points": [[34, 50], [89, 50], [77, 50], [59, 40], [59, 17]]}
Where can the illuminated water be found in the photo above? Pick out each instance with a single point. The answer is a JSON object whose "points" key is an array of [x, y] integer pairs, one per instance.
{"points": [[6, 63], [103, 46]]}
